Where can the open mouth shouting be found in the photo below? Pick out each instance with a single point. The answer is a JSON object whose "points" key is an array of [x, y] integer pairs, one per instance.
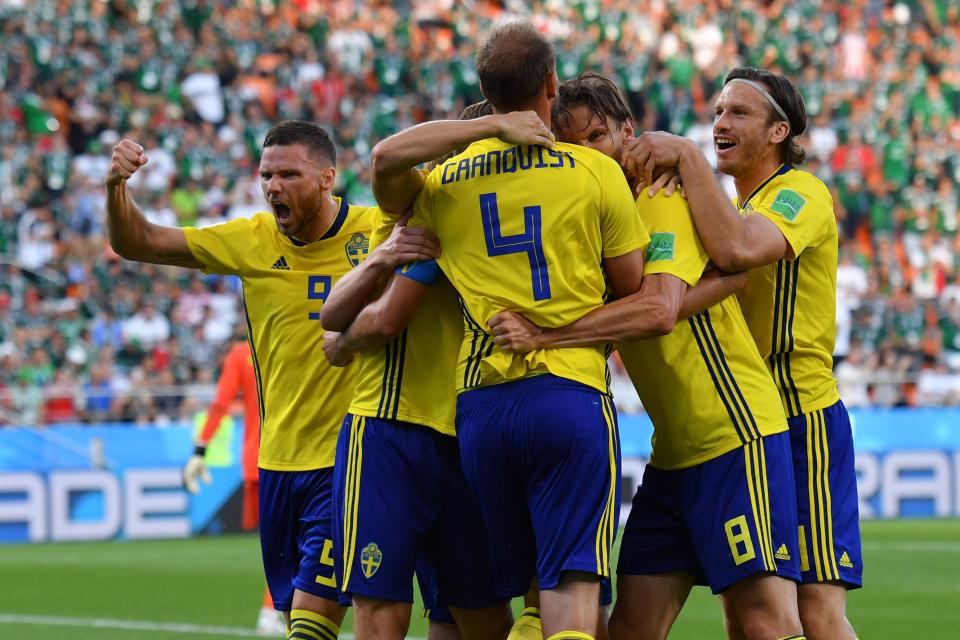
{"points": [[281, 212]]}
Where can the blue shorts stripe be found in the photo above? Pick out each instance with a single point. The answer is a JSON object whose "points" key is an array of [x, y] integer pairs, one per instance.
{"points": [[822, 514], [816, 513], [829, 556], [825, 480], [750, 424], [821, 484], [828, 494], [345, 534], [765, 490], [606, 526], [753, 484], [355, 462]]}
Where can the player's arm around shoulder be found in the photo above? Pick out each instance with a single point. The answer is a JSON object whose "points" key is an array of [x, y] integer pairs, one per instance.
{"points": [[734, 242], [648, 313], [404, 245], [714, 287], [394, 160], [131, 234], [386, 317]]}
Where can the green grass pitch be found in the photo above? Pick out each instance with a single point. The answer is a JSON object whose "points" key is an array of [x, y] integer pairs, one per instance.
{"points": [[54, 591]]}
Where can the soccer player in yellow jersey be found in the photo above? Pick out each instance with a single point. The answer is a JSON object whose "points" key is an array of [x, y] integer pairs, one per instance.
{"points": [[716, 505], [782, 227], [532, 228], [402, 500], [288, 261]]}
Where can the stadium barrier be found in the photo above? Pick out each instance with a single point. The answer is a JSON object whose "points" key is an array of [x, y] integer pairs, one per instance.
{"points": [[97, 482]]}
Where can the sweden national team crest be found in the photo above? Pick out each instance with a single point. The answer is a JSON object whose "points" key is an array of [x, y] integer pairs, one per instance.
{"points": [[370, 558], [357, 248]]}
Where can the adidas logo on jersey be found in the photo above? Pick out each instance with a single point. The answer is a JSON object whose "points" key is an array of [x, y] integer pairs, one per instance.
{"points": [[281, 264], [782, 553], [845, 561]]}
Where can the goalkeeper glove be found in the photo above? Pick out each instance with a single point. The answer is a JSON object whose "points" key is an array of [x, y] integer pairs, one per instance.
{"points": [[195, 469]]}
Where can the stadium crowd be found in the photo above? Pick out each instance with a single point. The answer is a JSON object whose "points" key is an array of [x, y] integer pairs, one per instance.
{"points": [[87, 336]]}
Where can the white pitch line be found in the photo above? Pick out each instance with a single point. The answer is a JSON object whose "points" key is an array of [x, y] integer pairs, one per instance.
{"points": [[141, 625], [931, 547], [132, 625]]}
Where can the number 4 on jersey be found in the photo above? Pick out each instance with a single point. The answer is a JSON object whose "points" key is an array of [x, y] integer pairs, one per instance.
{"points": [[527, 242]]}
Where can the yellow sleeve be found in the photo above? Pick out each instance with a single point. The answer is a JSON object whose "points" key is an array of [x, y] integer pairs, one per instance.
{"points": [[801, 212], [621, 230], [422, 206], [383, 224], [224, 248], [674, 245]]}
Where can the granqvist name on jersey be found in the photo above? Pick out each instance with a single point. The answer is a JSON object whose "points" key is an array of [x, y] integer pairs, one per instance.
{"points": [[501, 161]]}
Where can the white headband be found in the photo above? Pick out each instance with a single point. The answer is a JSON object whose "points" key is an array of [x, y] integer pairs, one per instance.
{"points": [[766, 94]]}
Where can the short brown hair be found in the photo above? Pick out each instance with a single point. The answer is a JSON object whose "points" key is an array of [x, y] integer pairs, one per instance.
{"points": [[789, 99], [597, 92], [514, 64], [313, 137]]}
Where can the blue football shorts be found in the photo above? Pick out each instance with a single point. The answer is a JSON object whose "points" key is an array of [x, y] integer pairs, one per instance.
{"points": [[828, 511], [403, 508], [542, 455], [721, 521], [296, 534]]}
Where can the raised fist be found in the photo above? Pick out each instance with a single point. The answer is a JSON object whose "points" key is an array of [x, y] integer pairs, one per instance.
{"points": [[127, 158]]}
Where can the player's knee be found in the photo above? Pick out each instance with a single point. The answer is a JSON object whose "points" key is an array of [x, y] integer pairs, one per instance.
{"points": [[825, 625], [330, 609], [762, 625]]}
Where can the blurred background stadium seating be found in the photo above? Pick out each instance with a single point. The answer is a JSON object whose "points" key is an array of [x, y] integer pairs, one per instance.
{"points": [[87, 337]]}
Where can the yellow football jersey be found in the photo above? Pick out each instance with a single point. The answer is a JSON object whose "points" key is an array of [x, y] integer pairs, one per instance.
{"points": [[411, 378], [790, 306], [525, 229], [704, 385], [303, 399]]}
